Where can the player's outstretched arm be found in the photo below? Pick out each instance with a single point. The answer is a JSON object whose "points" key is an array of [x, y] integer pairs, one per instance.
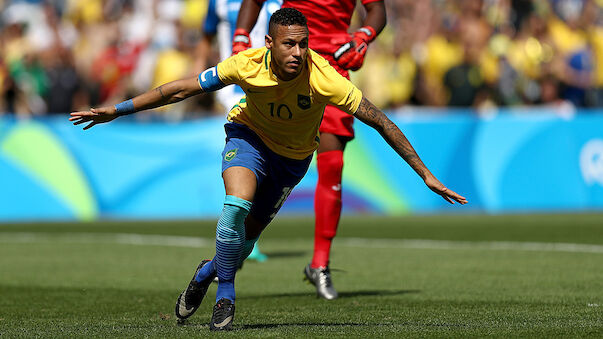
{"points": [[168, 93], [372, 116]]}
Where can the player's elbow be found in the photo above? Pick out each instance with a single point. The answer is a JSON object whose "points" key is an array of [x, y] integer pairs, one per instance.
{"points": [[178, 97], [371, 123], [378, 127], [181, 90], [181, 95]]}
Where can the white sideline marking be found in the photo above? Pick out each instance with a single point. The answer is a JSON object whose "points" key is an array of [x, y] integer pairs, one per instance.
{"points": [[197, 242], [481, 245], [108, 238]]}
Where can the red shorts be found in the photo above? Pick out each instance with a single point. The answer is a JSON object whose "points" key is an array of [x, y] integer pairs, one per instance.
{"points": [[336, 121]]}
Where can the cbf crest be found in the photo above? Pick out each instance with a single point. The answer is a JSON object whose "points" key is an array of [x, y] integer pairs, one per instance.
{"points": [[230, 154], [303, 101]]}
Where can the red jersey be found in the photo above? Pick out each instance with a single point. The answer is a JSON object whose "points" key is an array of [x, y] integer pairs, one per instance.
{"points": [[328, 20]]}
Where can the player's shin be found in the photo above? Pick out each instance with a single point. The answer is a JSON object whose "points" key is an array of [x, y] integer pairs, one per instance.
{"points": [[247, 249], [327, 205], [230, 239]]}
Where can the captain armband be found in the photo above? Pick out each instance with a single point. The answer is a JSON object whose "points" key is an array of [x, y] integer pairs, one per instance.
{"points": [[209, 80]]}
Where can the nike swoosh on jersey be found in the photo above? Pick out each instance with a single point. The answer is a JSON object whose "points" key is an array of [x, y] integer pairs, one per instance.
{"points": [[224, 323]]}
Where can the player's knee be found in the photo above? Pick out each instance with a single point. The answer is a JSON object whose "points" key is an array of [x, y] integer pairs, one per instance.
{"points": [[233, 215]]}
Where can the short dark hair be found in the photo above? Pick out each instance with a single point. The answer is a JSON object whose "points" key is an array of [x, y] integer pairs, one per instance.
{"points": [[286, 17]]}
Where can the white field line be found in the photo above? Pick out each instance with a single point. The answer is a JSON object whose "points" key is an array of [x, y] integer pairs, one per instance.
{"points": [[197, 242], [107, 238], [479, 245]]}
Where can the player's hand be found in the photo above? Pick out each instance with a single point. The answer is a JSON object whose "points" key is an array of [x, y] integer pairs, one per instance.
{"points": [[94, 116], [240, 41], [350, 55], [439, 188]]}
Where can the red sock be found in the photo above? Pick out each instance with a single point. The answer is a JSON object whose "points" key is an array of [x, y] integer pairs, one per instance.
{"points": [[327, 205]]}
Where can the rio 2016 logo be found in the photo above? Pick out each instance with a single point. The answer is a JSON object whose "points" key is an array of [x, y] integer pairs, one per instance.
{"points": [[591, 162]]}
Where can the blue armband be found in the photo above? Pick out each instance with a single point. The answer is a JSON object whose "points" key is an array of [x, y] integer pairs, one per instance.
{"points": [[124, 108], [209, 80]]}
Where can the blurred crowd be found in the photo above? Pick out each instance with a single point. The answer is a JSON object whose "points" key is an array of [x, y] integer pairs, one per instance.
{"points": [[488, 53], [58, 56]]}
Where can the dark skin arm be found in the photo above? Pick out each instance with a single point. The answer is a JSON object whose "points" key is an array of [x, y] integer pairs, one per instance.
{"points": [[202, 53], [372, 116], [375, 16], [248, 14], [165, 94]]}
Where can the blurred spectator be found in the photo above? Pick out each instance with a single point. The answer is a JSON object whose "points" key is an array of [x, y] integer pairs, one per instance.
{"points": [[61, 55], [64, 84], [469, 82]]}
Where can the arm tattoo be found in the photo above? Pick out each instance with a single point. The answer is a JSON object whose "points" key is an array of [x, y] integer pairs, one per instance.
{"points": [[372, 116], [161, 92]]}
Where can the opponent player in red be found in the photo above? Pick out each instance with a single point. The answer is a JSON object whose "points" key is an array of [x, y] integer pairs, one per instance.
{"points": [[328, 23]]}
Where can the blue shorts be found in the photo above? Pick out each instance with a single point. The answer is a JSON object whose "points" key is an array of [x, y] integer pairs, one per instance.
{"points": [[276, 175]]}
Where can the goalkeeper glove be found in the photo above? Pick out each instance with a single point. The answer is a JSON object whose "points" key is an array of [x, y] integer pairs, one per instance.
{"points": [[351, 54], [240, 41]]}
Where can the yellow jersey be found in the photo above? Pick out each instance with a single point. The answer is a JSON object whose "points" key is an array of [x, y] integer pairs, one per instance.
{"points": [[286, 114]]}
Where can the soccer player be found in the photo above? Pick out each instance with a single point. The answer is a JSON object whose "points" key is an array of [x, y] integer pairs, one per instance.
{"points": [[220, 23], [328, 23], [270, 138]]}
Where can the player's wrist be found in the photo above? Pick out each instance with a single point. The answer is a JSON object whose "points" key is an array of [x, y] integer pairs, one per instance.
{"points": [[366, 33], [241, 37], [125, 108]]}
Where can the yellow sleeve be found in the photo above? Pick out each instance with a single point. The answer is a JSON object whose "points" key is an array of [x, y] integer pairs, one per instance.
{"points": [[334, 88], [228, 70]]}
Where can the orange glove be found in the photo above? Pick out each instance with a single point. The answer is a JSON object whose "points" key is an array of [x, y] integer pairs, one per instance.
{"points": [[240, 41], [351, 54]]}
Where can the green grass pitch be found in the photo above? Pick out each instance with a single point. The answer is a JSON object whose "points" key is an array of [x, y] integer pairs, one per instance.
{"points": [[421, 276]]}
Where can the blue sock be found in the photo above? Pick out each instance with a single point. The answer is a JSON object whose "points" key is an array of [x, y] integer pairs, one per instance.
{"points": [[230, 238], [207, 271], [247, 248]]}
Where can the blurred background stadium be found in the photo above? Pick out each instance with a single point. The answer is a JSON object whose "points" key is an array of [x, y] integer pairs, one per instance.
{"points": [[59, 55], [502, 99]]}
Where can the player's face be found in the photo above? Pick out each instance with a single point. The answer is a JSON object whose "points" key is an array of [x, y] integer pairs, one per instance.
{"points": [[289, 45]]}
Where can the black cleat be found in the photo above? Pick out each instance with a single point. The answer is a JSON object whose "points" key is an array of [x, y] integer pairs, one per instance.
{"points": [[190, 299], [221, 319], [321, 278]]}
